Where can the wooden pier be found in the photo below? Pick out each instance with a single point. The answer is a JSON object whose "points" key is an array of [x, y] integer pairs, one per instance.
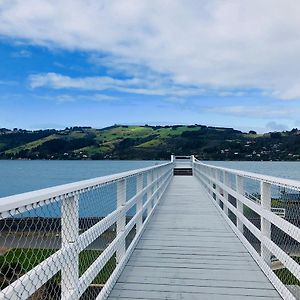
{"points": [[180, 230], [188, 251]]}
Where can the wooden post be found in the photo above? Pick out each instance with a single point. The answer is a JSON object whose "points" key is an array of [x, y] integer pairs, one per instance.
{"points": [[121, 200], [69, 235], [149, 192], [239, 204], [265, 224], [139, 204], [157, 185], [226, 195]]}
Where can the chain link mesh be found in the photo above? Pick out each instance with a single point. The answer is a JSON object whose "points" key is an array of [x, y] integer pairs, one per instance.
{"points": [[286, 204], [281, 249], [27, 239], [69, 245]]}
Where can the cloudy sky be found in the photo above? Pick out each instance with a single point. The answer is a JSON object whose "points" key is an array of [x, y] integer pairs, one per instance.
{"points": [[227, 63]]}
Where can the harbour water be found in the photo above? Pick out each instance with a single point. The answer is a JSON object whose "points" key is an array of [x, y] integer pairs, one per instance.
{"points": [[283, 169], [18, 176]]}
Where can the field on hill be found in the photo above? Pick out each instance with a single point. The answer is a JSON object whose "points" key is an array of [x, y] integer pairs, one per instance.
{"points": [[149, 142]]}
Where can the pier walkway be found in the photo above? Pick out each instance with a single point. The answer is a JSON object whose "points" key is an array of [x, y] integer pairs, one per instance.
{"points": [[188, 251], [183, 229]]}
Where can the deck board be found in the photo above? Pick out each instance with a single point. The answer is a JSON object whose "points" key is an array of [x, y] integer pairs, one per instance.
{"points": [[188, 251]]}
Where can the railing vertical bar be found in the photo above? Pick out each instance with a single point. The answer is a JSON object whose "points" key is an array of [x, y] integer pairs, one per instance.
{"points": [[265, 224], [150, 191], [139, 204], [121, 200], [226, 195], [219, 189], [239, 204], [70, 233], [157, 186]]}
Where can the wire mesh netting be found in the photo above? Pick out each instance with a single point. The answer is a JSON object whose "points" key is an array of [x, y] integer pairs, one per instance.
{"points": [[101, 278], [285, 203], [96, 204], [27, 239], [281, 248], [70, 244]]}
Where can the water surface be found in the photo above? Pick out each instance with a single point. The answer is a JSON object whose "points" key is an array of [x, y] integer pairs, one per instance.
{"points": [[18, 176], [283, 169]]}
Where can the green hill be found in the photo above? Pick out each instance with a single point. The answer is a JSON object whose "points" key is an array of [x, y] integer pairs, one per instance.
{"points": [[148, 142]]}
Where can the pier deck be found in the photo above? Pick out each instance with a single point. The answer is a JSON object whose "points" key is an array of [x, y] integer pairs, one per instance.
{"points": [[188, 251]]}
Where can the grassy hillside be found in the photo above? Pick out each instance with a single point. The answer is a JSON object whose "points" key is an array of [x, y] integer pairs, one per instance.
{"points": [[148, 142]]}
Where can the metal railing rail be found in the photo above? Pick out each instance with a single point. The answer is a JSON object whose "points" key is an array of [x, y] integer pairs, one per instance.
{"points": [[274, 234], [130, 199]]}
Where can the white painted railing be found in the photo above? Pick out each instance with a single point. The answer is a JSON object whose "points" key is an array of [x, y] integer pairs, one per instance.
{"points": [[74, 240], [268, 237]]}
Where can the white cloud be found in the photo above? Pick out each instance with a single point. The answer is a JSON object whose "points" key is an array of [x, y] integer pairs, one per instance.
{"points": [[213, 44], [63, 98], [146, 86]]}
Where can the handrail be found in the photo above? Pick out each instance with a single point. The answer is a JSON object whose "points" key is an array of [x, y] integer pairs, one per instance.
{"points": [[102, 206], [275, 234]]}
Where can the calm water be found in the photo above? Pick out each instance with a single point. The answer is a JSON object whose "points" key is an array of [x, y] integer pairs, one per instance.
{"points": [[18, 176], [23, 176], [284, 169]]}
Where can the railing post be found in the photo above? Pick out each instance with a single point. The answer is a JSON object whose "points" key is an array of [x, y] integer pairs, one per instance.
{"points": [[157, 185], [220, 190], [265, 224], [160, 182], [153, 187], [210, 181], [226, 195], [214, 183], [69, 235], [239, 204], [192, 163], [139, 203], [150, 191], [121, 200]]}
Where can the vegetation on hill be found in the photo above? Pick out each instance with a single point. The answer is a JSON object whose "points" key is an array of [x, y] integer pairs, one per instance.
{"points": [[149, 142]]}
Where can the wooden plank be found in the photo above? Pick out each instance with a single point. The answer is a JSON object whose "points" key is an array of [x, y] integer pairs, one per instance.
{"points": [[196, 289], [217, 274], [174, 255], [170, 295], [194, 282], [194, 261]]}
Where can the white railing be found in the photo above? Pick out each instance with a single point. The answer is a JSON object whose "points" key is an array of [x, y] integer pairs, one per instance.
{"points": [[75, 239], [269, 238]]}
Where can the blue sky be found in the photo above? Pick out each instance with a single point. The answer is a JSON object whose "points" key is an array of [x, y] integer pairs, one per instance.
{"points": [[96, 63]]}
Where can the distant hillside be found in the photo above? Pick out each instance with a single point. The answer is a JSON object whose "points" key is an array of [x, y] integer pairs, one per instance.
{"points": [[149, 142]]}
